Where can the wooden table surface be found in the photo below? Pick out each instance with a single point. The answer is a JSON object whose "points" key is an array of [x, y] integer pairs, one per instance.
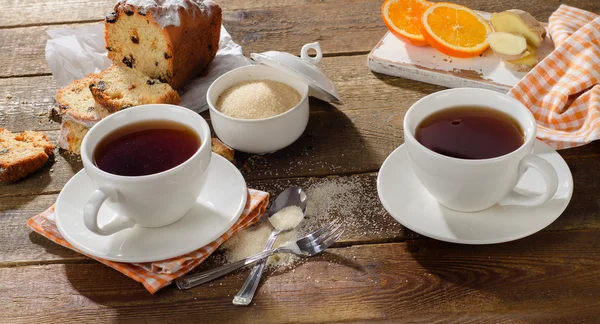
{"points": [[378, 271]]}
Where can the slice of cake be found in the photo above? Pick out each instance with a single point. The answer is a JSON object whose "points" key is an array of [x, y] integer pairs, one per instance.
{"points": [[169, 40], [22, 153], [121, 87], [222, 149], [75, 102], [71, 136]]}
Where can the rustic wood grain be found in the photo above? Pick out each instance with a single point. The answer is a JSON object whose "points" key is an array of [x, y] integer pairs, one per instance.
{"points": [[24, 101], [354, 28], [23, 51], [20, 13], [367, 222], [549, 277], [45, 12], [20, 244], [552, 279], [356, 141], [257, 30], [333, 143]]}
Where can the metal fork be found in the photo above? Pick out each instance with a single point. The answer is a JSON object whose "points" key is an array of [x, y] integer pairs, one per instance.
{"points": [[310, 245]]}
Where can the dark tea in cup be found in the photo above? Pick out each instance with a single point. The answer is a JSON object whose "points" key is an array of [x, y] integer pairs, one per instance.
{"points": [[470, 132], [146, 148]]}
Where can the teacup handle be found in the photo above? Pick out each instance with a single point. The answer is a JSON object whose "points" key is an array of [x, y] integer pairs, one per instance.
{"points": [[550, 178], [90, 214]]}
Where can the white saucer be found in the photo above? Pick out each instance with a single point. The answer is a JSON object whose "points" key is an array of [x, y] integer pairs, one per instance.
{"points": [[411, 205], [218, 207]]}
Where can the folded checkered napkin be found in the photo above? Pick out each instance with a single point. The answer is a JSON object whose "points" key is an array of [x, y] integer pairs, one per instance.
{"points": [[156, 275], [563, 90]]}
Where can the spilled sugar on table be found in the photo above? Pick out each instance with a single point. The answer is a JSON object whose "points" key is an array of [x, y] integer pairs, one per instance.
{"points": [[378, 271]]}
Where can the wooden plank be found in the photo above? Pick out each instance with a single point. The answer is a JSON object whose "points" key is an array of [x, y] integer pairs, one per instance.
{"points": [[587, 151], [30, 97], [284, 28], [70, 11], [18, 13], [254, 29], [356, 141], [367, 143], [40, 12], [421, 280], [365, 222], [21, 244], [541, 9], [23, 51], [49, 12], [24, 101], [321, 142]]}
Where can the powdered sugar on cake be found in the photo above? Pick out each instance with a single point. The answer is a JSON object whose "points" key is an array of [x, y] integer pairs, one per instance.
{"points": [[166, 12]]}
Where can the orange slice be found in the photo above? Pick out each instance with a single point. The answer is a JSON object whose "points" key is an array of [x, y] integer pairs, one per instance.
{"points": [[455, 30], [402, 17]]}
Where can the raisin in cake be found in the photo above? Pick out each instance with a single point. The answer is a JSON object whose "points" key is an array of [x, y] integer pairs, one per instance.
{"points": [[169, 40], [22, 153], [76, 103], [121, 87]]}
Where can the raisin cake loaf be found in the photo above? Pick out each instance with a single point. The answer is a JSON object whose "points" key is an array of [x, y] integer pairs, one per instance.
{"points": [[22, 153], [121, 87], [169, 40]]}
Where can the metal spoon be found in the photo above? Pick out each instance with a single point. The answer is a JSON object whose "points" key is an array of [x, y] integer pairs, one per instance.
{"points": [[293, 196]]}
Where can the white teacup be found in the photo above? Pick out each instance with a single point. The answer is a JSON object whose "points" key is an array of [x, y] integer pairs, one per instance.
{"points": [[152, 200], [474, 185]]}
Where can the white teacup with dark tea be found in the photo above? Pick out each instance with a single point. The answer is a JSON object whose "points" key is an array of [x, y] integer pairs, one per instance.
{"points": [[148, 162], [469, 148]]}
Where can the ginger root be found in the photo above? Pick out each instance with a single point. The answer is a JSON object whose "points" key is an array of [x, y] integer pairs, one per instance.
{"points": [[526, 63], [507, 46], [519, 22]]}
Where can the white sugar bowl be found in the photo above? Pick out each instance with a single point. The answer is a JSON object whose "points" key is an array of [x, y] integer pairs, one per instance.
{"points": [[267, 135], [258, 136]]}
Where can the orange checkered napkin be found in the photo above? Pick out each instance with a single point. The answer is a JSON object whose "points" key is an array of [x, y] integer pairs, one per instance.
{"points": [[563, 90], [156, 275]]}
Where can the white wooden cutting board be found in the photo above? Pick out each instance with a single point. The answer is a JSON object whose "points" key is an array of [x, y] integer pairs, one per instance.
{"points": [[391, 56]]}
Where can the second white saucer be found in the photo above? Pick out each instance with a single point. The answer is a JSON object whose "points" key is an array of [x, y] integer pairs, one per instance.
{"points": [[219, 206], [410, 204]]}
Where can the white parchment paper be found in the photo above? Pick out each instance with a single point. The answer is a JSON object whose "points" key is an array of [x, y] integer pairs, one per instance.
{"points": [[73, 53]]}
